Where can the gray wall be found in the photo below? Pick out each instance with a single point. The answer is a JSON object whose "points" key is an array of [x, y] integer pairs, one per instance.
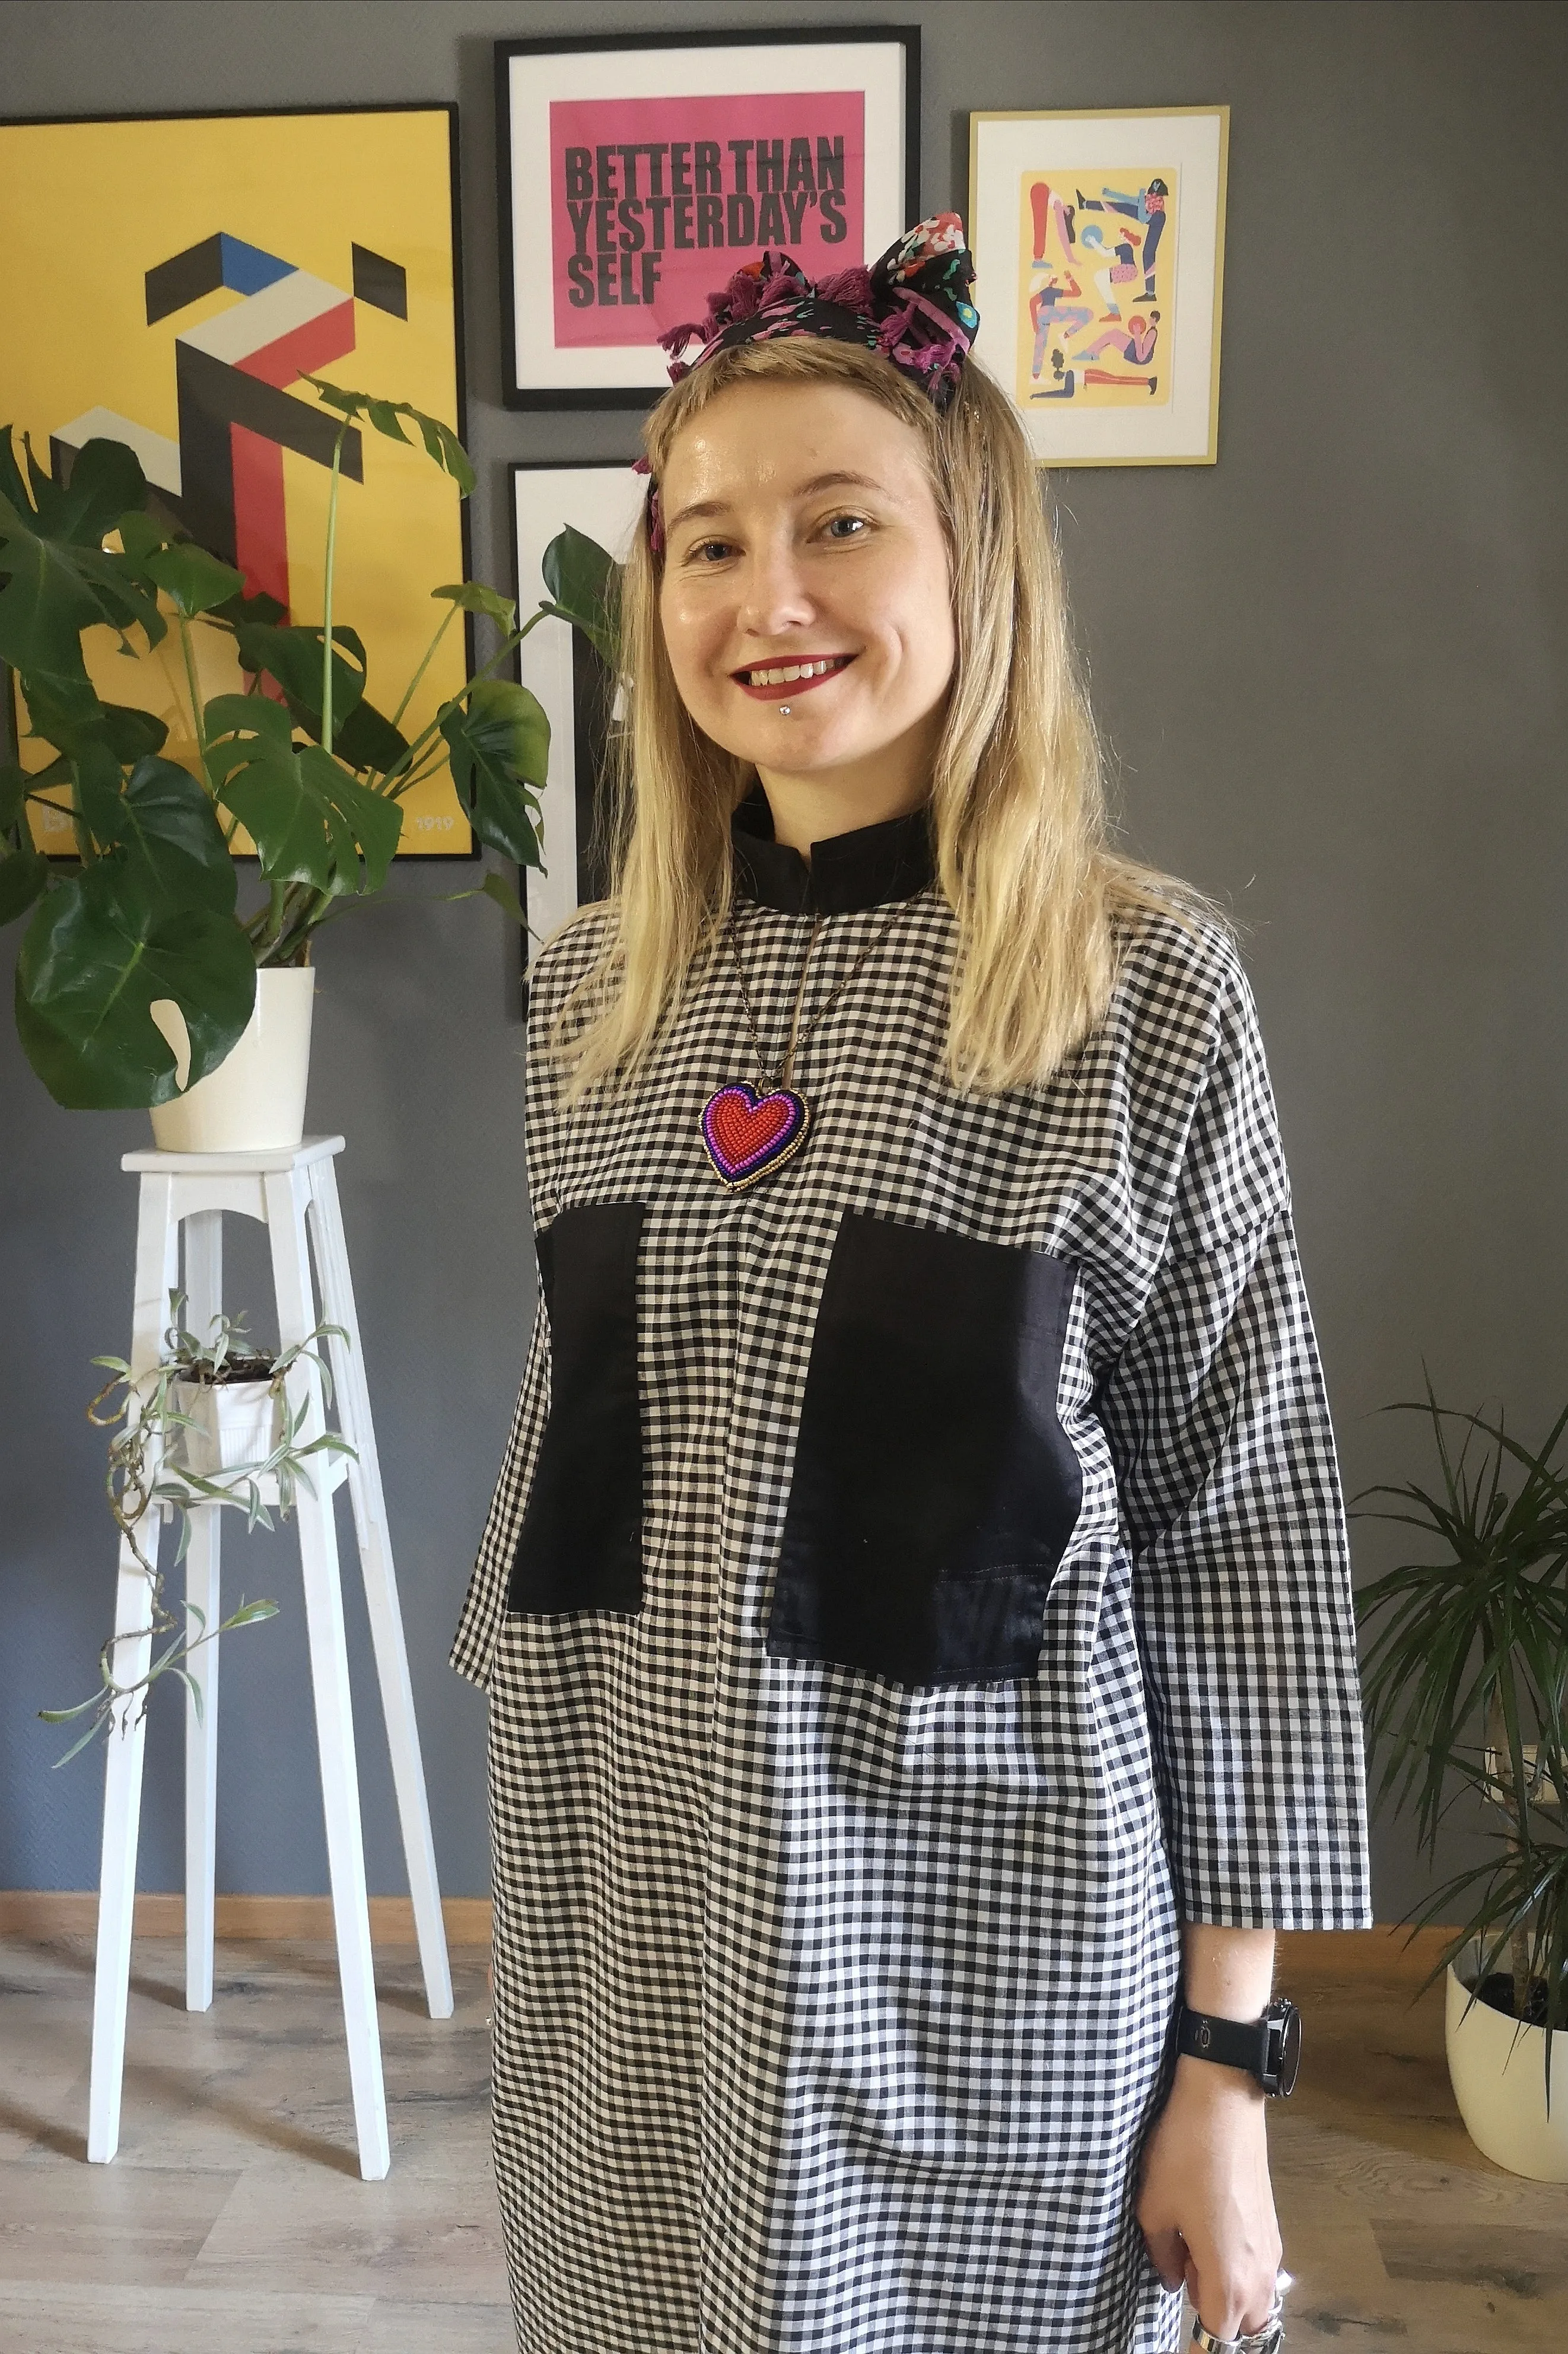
{"points": [[1329, 668]]}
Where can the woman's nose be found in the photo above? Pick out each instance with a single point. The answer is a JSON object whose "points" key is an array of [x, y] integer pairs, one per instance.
{"points": [[774, 595]]}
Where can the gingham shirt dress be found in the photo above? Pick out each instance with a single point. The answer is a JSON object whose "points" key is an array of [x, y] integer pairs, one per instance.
{"points": [[915, 1585]]}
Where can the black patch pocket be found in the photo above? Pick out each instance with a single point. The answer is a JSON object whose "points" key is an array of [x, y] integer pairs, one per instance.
{"points": [[580, 1545], [935, 1491]]}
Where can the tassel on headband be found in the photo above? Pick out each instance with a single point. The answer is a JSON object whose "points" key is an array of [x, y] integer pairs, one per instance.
{"points": [[912, 305]]}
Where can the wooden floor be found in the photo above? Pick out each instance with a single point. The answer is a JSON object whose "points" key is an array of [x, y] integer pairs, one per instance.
{"points": [[234, 2218]]}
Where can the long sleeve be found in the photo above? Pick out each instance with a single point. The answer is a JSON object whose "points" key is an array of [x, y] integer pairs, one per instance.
{"points": [[1218, 1424], [473, 1646]]}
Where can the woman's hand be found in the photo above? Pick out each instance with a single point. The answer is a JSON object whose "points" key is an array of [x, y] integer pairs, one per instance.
{"points": [[1205, 2205]]}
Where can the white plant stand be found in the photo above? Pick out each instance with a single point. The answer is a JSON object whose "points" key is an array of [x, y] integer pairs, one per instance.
{"points": [[194, 1190]]}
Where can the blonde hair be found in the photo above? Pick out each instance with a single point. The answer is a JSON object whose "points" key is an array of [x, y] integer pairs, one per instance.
{"points": [[1018, 804]]}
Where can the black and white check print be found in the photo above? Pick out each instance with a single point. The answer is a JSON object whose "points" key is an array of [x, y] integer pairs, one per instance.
{"points": [[831, 2004]]}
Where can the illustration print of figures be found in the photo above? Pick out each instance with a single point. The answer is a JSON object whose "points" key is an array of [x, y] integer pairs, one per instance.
{"points": [[1096, 287], [656, 202]]}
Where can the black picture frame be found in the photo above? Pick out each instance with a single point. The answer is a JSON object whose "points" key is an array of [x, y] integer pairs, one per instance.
{"points": [[523, 390], [365, 265], [601, 497]]}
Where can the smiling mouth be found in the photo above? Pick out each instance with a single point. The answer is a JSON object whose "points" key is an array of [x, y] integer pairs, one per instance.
{"points": [[769, 681]]}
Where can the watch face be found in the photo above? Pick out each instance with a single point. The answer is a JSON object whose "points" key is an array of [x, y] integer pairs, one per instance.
{"points": [[1290, 2060]]}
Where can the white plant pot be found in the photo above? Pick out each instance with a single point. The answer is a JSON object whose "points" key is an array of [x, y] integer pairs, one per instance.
{"points": [[255, 1101], [235, 1422], [1497, 2070]]}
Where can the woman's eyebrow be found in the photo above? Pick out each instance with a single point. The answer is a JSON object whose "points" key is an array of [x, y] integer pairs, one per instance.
{"points": [[702, 507], [837, 480]]}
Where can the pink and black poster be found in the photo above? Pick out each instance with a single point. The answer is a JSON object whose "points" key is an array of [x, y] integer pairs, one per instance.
{"points": [[639, 174]]}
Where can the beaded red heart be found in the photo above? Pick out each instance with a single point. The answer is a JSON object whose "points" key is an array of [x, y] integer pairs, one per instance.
{"points": [[747, 1134]]}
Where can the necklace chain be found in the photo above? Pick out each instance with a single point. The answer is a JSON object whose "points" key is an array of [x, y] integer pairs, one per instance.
{"points": [[779, 1075]]}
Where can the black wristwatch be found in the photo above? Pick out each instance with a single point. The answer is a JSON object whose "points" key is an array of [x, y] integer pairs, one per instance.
{"points": [[1268, 2048]]}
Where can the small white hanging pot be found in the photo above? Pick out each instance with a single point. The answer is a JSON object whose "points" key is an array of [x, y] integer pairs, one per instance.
{"points": [[234, 1423], [1499, 2070], [255, 1101]]}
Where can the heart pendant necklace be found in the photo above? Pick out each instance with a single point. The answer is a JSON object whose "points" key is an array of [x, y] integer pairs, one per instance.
{"points": [[749, 1131]]}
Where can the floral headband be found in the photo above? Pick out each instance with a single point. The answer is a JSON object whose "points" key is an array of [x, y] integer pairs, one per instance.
{"points": [[912, 305]]}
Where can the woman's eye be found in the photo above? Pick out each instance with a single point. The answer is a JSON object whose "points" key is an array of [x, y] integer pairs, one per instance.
{"points": [[847, 526], [709, 551]]}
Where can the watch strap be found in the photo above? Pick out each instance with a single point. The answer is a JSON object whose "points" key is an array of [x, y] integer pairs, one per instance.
{"points": [[1233, 2043], [1268, 2048]]}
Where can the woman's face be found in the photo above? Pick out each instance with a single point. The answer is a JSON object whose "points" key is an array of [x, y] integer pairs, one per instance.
{"points": [[806, 573]]}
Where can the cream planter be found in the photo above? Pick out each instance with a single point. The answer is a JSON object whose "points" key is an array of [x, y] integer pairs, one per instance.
{"points": [[235, 1422], [255, 1101], [1499, 2070]]}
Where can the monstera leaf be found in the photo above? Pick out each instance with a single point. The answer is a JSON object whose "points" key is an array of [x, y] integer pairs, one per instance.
{"points": [[498, 743], [194, 581], [130, 733], [58, 578], [365, 740], [293, 658], [96, 954], [309, 818], [473, 597], [361, 736], [254, 605], [24, 877], [166, 823], [583, 582], [440, 442]]}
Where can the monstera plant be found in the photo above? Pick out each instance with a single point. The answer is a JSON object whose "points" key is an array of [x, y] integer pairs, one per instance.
{"points": [[302, 760]]}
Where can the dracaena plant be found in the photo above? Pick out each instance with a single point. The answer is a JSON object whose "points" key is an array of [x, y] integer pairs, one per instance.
{"points": [[1465, 1677], [304, 760]]}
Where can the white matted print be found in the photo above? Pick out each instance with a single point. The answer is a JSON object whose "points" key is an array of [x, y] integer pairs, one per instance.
{"points": [[557, 663], [639, 173], [1099, 247]]}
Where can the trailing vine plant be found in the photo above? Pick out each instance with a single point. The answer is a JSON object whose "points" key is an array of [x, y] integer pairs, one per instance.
{"points": [[147, 1471]]}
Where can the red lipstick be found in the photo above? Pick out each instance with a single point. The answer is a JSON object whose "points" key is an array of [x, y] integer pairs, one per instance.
{"points": [[785, 690]]}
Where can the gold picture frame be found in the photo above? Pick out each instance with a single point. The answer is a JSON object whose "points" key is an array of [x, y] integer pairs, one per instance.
{"points": [[1098, 238]]}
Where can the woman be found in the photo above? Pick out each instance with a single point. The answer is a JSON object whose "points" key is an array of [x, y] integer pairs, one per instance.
{"points": [[914, 1606]]}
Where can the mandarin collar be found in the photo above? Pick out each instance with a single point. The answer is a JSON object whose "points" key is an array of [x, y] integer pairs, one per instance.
{"points": [[866, 868]]}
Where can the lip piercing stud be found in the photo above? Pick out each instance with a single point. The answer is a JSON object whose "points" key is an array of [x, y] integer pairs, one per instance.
{"points": [[783, 711]]}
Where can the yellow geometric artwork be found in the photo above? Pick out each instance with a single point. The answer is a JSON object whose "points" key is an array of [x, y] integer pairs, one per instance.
{"points": [[169, 284]]}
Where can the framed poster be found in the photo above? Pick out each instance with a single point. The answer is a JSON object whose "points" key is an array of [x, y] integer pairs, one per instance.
{"points": [[178, 275], [1099, 249], [639, 172], [560, 665]]}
